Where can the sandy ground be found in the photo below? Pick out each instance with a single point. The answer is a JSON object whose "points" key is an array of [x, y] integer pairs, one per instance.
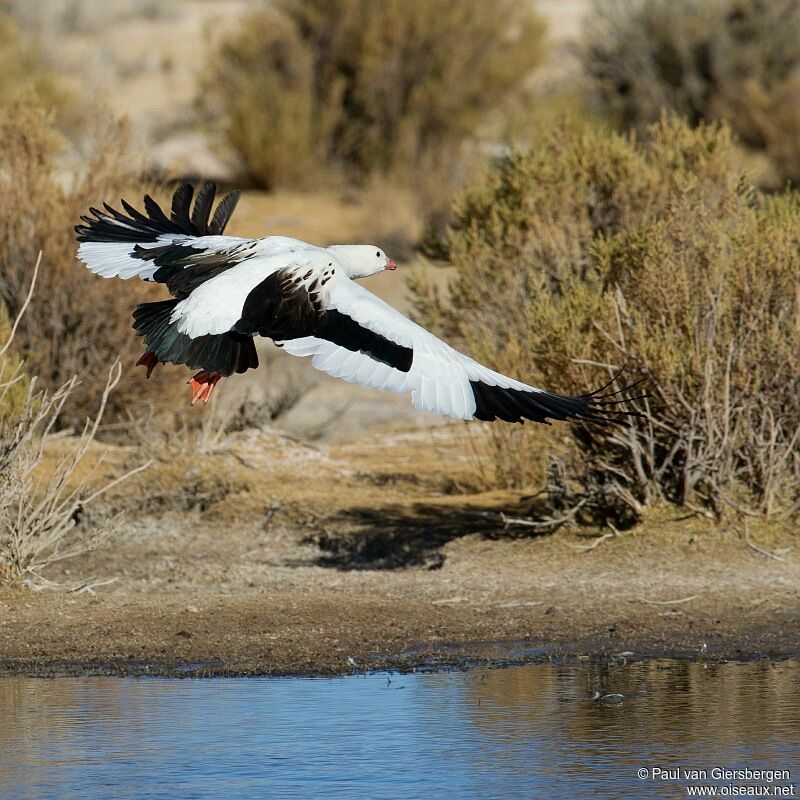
{"points": [[266, 556]]}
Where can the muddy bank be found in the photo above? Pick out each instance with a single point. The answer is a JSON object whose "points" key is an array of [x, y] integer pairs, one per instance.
{"points": [[511, 603], [284, 636]]}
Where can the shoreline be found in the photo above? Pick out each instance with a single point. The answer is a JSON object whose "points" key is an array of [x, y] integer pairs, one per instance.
{"points": [[454, 659], [247, 637], [389, 665]]}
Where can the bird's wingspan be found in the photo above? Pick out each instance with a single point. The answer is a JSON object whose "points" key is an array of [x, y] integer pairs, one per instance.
{"points": [[181, 250], [362, 339]]}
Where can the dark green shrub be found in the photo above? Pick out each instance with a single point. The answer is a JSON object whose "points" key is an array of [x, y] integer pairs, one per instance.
{"points": [[595, 249]]}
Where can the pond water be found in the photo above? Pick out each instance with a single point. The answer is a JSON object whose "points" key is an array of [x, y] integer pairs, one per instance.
{"points": [[518, 732]]}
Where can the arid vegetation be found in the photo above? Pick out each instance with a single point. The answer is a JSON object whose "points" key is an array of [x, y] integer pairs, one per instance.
{"points": [[595, 251], [22, 70], [41, 508], [78, 323], [305, 91], [649, 247], [733, 60]]}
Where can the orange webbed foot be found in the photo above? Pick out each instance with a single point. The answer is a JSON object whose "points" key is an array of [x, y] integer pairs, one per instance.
{"points": [[203, 385]]}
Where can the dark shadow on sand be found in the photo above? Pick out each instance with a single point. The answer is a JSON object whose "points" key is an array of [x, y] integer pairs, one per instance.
{"points": [[400, 536]]}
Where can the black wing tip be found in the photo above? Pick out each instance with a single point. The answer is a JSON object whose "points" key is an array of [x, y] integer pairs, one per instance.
{"points": [[132, 225], [517, 405], [603, 404]]}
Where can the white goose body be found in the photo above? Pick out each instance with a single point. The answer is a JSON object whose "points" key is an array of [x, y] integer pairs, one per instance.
{"points": [[226, 290]]}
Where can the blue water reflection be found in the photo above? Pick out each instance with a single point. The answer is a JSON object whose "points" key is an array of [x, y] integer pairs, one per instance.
{"points": [[529, 731]]}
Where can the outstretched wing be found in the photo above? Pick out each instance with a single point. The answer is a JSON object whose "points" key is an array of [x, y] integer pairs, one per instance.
{"points": [[362, 339], [181, 250]]}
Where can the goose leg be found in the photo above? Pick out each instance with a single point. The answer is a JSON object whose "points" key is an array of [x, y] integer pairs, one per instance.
{"points": [[203, 385]]}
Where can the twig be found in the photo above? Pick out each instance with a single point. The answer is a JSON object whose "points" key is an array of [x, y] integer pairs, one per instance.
{"points": [[43, 584], [698, 511], [550, 523], [24, 306], [755, 547], [90, 586], [668, 602], [519, 603], [590, 363], [597, 541], [129, 474], [449, 601], [745, 512]]}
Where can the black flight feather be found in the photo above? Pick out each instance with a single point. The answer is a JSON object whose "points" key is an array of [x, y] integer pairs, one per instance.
{"points": [[181, 204], [516, 405], [112, 225], [157, 215], [223, 213], [202, 207]]}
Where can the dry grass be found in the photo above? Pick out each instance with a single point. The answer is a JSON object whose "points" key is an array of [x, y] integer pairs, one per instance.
{"points": [[594, 251], [737, 60], [14, 379]]}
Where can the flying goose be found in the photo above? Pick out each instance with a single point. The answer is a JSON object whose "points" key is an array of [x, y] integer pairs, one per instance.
{"points": [[227, 289]]}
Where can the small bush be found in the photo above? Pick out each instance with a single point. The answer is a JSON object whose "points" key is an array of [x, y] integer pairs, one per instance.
{"points": [[80, 322], [365, 87], [597, 250], [40, 508], [737, 60]]}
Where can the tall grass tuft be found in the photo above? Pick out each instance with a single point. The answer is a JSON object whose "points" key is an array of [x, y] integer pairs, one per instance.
{"points": [[596, 250]]}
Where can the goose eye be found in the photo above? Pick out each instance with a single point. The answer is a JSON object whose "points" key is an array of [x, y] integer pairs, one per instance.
{"points": [[378, 254]]}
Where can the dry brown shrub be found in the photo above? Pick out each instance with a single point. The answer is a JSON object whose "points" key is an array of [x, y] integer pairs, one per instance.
{"points": [[80, 323], [595, 249], [737, 60], [40, 507], [305, 86]]}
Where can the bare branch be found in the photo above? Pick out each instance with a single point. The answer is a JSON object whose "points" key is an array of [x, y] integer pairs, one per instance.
{"points": [[599, 540], [23, 308], [39, 511], [755, 547], [544, 524], [669, 602]]}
